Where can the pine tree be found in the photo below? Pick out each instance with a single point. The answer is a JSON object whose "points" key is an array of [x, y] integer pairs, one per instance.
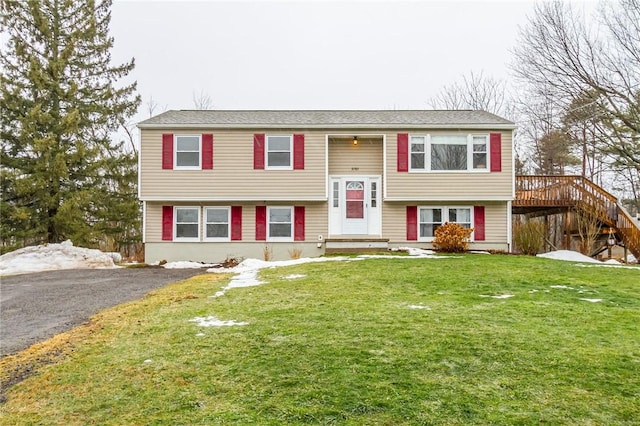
{"points": [[60, 106]]}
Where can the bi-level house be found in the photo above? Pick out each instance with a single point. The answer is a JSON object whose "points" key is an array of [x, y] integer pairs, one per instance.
{"points": [[218, 184]]}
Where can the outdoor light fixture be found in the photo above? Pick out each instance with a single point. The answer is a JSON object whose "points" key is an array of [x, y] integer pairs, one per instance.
{"points": [[355, 140]]}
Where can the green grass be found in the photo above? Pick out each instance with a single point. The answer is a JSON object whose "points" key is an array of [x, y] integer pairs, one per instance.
{"points": [[343, 346]]}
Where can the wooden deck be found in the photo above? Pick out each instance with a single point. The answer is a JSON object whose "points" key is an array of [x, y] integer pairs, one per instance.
{"points": [[551, 194]]}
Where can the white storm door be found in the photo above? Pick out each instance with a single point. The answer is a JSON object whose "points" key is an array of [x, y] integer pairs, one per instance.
{"points": [[354, 214]]}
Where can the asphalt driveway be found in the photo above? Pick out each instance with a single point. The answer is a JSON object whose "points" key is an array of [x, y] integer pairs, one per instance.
{"points": [[34, 307]]}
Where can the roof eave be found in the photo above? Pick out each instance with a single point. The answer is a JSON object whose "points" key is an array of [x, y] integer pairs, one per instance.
{"points": [[487, 126]]}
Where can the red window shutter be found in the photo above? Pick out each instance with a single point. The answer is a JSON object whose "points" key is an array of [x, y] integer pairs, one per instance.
{"points": [[167, 223], [298, 227], [167, 151], [495, 142], [478, 223], [236, 223], [258, 151], [412, 223], [298, 152], [261, 223], [207, 151], [403, 152]]}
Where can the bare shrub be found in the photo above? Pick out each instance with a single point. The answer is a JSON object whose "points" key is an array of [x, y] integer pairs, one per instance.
{"points": [[267, 253], [231, 262], [589, 230], [529, 237], [295, 253], [452, 238]]}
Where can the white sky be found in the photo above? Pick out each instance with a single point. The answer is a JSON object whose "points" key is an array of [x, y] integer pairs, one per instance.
{"points": [[313, 54]]}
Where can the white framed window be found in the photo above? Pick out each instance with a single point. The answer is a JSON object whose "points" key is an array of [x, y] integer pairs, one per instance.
{"points": [[431, 218], [280, 223], [279, 152], [480, 156], [449, 153], [186, 223], [187, 150], [336, 194], [217, 222]]}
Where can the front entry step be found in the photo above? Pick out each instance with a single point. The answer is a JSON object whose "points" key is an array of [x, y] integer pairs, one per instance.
{"points": [[355, 245]]}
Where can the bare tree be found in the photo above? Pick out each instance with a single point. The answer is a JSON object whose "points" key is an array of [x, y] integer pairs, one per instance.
{"points": [[475, 91], [202, 100], [558, 50]]}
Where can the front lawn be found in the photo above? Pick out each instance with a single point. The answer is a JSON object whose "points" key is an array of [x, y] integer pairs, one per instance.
{"points": [[473, 339]]}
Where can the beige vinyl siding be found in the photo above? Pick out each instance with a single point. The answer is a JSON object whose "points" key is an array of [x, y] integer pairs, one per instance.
{"points": [[449, 185], [233, 176], [315, 220], [394, 220], [364, 158]]}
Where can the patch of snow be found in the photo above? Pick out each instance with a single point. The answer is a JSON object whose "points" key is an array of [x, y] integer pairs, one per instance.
{"points": [[413, 251], [419, 307], [500, 296], [200, 334], [214, 322], [147, 361], [187, 265], [479, 252], [568, 255], [294, 276], [533, 291], [562, 287], [631, 259], [50, 257], [612, 262], [592, 300]]}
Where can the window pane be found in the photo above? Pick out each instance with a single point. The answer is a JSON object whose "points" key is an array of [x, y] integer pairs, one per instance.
{"points": [[417, 147], [279, 143], [374, 194], [336, 193], [431, 215], [479, 147], [187, 230], [187, 215], [218, 215], [188, 143], [280, 215], [417, 161], [460, 216], [448, 157], [355, 210], [428, 229], [449, 140], [188, 159], [217, 231], [279, 230], [480, 161], [279, 159]]}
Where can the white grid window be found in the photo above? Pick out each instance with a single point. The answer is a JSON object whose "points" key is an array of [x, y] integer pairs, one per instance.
{"points": [[216, 223], [187, 223], [187, 152], [279, 152], [280, 223]]}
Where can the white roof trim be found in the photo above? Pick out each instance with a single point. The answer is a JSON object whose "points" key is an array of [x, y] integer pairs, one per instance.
{"points": [[201, 126], [230, 199], [475, 198]]}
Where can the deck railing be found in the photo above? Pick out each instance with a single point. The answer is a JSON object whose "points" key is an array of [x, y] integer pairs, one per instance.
{"points": [[578, 192]]}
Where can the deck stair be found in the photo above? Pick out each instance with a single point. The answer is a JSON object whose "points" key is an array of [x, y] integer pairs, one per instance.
{"points": [[549, 194]]}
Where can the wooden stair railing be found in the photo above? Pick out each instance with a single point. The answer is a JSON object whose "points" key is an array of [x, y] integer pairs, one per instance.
{"points": [[579, 192]]}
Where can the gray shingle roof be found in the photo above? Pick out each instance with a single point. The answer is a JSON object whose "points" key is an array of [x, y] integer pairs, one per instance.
{"points": [[325, 119]]}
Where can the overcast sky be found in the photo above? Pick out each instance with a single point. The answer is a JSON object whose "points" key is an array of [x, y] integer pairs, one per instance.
{"points": [[312, 54]]}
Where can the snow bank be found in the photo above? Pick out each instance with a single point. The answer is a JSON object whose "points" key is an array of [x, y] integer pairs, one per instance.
{"points": [[572, 256], [50, 257], [187, 265]]}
